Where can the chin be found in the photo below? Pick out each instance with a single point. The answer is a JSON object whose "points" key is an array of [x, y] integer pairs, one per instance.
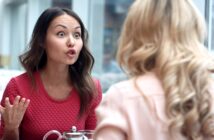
{"points": [[71, 62]]}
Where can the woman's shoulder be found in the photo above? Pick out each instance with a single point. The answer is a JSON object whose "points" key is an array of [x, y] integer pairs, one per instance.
{"points": [[25, 77], [15, 85], [96, 81], [22, 78], [131, 90], [21, 75], [22, 82], [120, 91], [147, 81]]}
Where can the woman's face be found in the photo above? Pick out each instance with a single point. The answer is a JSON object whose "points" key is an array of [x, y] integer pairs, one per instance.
{"points": [[63, 41]]}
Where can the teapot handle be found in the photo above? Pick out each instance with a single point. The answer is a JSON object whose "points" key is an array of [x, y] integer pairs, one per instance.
{"points": [[53, 132]]}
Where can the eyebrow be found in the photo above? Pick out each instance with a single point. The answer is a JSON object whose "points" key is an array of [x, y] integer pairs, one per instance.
{"points": [[63, 26]]}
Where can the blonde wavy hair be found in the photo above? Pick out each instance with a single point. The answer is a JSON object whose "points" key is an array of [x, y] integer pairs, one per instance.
{"points": [[168, 36]]}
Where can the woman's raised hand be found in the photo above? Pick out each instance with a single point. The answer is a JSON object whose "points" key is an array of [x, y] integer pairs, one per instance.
{"points": [[13, 113]]}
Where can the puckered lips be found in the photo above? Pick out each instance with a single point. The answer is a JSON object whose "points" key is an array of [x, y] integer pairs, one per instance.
{"points": [[71, 53]]}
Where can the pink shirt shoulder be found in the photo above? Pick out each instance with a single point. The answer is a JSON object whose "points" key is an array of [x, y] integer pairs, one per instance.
{"points": [[124, 114]]}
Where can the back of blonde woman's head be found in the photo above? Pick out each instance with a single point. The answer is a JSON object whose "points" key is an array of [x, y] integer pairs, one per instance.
{"points": [[168, 36]]}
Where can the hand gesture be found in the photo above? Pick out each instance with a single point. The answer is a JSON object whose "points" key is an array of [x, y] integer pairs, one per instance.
{"points": [[13, 113]]}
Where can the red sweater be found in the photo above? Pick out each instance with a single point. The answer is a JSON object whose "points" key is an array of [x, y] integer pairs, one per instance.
{"points": [[44, 113]]}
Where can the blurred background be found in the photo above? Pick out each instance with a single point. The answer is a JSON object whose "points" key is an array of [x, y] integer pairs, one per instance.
{"points": [[102, 18]]}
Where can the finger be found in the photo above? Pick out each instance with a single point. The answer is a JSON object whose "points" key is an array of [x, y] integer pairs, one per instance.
{"points": [[2, 109], [15, 106], [7, 102], [2, 112], [21, 104], [24, 104], [8, 108], [16, 101]]}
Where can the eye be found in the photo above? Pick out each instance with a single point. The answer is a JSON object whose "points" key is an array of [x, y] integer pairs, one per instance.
{"points": [[77, 35], [60, 34]]}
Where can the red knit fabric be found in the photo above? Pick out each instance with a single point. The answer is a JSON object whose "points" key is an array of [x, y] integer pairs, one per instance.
{"points": [[44, 113]]}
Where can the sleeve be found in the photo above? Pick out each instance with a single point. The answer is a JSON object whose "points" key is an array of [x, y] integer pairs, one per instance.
{"points": [[10, 91], [111, 117], [91, 120]]}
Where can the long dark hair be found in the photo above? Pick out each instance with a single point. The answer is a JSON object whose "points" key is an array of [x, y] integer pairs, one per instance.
{"points": [[35, 58]]}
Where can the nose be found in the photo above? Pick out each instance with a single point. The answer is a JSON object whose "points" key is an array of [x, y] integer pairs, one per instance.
{"points": [[71, 41]]}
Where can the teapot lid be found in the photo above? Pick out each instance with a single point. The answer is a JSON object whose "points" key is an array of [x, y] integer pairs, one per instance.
{"points": [[73, 129], [72, 134]]}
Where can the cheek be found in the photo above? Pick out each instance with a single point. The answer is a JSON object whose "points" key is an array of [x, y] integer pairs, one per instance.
{"points": [[53, 44], [79, 46], [52, 41], [51, 52], [52, 49]]}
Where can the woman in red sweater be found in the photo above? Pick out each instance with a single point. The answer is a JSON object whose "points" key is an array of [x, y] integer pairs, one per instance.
{"points": [[57, 90]]}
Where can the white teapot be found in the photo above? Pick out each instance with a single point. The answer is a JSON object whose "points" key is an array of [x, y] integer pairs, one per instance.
{"points": [[67, 135]]}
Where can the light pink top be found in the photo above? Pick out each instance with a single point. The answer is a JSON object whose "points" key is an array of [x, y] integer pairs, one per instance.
{"points": [[124, 114]]}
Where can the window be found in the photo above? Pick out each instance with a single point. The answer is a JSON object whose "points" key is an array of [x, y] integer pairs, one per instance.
{"points": [[62, 3]]}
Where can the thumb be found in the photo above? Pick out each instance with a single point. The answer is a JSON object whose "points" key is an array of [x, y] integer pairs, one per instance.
{"points": [[1, 109]]}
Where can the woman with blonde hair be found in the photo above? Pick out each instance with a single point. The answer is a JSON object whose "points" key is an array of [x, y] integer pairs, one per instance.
{"points": [[169, 94]]}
